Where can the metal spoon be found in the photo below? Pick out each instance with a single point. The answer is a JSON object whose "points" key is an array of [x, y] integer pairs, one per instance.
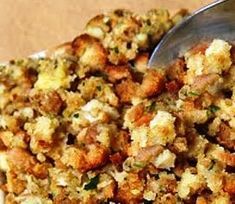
{"points": [[216, 20]]}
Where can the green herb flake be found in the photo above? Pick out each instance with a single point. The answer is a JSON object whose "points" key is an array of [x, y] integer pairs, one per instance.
{"points": [[116, 50], [213, 108], [76, 115], [161, 189], [101, 74], [139, 164], [99, 88], [151, 107], [148, 22], [92, 183], [191, 93]]}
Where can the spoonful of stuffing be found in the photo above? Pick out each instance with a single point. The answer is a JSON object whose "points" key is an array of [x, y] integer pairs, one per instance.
{"points": [[216, 20]]}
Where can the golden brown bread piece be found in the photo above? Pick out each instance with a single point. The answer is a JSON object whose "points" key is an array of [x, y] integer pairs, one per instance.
{"points": [[92, 123], [131, 190], [126, 90]]}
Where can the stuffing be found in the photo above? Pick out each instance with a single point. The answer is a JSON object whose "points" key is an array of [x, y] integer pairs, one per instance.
{"points": [[176, 71], [197, 146], [152, 84], [154, 24], [92, 123], [122, 33], [22, 161], [162, 128], [116, 31], [139, 137], [95, 87], [61, 178], [43, 128], [229, 78], [218, 56], [53, 75], [4, 166], [211, 171], [47, 102], [189, 184], [162, 189], [226, 109], [195, 65], [148, 154], [179, 16], [179, 145], [41, 133], [90, 52], [25, 113], [229, 183], [226, 136], [141, 62], [33, 199], [205, 82], [221, 199], [97, 133], [92, 112], [213, 127], [131, 189], [120, 143], [126, 90], [132, 115], [167, 182], [10, 123], [215, 60], [117, 73], [225, 157], [16, 184], [91, 157], [10, 140], [165, 160], [94, 107], [106, 187], [73, 101], [98, 26]]}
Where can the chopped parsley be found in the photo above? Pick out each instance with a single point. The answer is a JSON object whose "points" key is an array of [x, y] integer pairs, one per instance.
{"points": [[139, 164], [92, 183], [151, 107], [98, 88], [191, 93], [76, 115], [213, 108], [101, 74], [116, 50]]}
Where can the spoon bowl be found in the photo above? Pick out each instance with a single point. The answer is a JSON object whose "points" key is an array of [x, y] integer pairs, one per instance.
{"points": [[217, 20]]}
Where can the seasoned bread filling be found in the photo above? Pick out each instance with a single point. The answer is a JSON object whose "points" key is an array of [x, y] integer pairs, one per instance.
{"points": [[91, 123]]}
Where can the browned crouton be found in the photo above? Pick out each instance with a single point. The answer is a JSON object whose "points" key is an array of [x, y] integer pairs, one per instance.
{"points": [[152, 84], [47, 102], [90, 52], [126, 90], [117, 72], [131, 190], [85, 159]]}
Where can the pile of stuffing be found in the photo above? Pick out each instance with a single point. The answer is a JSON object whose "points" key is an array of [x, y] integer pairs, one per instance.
{"points": [[92, 123]]}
